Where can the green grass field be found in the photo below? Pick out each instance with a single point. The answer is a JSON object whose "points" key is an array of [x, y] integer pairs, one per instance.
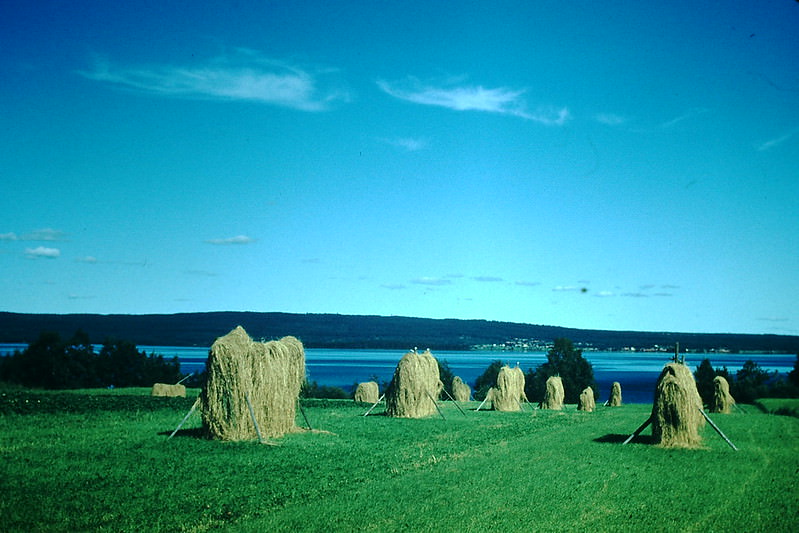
{"points": [[101, 461]]}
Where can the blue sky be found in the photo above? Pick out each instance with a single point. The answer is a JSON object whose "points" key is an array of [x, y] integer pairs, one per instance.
{"points": [[609, 165]]}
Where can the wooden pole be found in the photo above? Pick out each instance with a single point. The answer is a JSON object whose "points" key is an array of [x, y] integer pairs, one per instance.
{"points": [[639, 430], [184, 379], [307, 423], [481, 403], [375, 404], [453, 401], [436, 404], [193, 407], [254, 421], [714, 426]]}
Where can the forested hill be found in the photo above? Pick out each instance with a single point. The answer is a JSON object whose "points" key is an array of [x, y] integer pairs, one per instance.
{"points": [[355, 331]]}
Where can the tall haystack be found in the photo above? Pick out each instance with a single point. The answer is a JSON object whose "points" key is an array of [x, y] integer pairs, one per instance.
{"points": [[509, 391], [615, 394], [415, 386], [461, 392], [269, 374], [553, 397], [165, 389], [367, 392], [676, 416], [722, 399], [586, 401]]}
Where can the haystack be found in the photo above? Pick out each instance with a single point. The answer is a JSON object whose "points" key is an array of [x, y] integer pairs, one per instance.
{"points": [[165, 389], [461, 391], [269, 374], [615, 394], [367, 392], [415, 386], [553, 397], [676, 412], [722, 399], [586, 401], [509, 391]]}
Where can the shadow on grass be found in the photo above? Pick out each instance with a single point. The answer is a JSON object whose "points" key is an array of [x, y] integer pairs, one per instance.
{"points": [[196, 433], [615, 438]]}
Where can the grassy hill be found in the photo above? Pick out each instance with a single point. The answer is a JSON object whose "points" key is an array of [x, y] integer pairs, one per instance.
{"points": [[101, 461], [361, 331]]}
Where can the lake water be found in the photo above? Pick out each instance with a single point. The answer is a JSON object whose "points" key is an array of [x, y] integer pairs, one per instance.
{"points": [[636, 371]]}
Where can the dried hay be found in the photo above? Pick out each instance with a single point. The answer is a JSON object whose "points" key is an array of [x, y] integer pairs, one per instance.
{"points": [[676, 412], [367, 392], [553, 397], [509, 392], [722, 399], [586, 401], [461, 392], [414, 387], [270, 374], [167, 390], [615, 395]]}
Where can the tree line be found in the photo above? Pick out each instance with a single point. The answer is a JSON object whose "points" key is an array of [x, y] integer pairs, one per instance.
{"points": [[51, 362], [749, 383]]}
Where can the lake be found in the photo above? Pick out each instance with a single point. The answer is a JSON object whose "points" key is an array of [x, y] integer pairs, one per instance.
{"points": [[636, 371]]}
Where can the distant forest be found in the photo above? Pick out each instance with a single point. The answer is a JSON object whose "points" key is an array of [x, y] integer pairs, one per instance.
{"points": [[356, 331]]}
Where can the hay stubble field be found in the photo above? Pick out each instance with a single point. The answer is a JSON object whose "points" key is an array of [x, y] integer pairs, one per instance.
{"points": [[101, 461]]}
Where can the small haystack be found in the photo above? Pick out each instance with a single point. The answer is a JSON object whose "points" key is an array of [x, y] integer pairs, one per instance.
{"points": [[553, 397], [367, 392], [415, 386], [586, 401], [676, 412], [722, 399], [269, 374], [461, 391], [509, 391], [171, 391], [615, 395]]}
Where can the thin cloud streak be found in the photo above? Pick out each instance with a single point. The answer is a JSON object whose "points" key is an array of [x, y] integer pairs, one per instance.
{"points": [[431, 281], [473, 98], [244, 75], [42, 252], [777, 141], [238, 239]]}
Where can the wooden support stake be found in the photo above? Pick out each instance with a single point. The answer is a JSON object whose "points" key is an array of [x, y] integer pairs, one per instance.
{"points": [[307, 423], [639, 430], [714, 426], [375, 404], [254, 421], [193, 407], [453, 401], [481, 403], [436, 404], [184, 379]]}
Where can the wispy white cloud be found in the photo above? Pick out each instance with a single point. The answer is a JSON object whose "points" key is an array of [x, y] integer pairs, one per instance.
{"points": [[500, 100], [604, 294], [431, 281], [691, 113], [487, 278], [238, 239], [610, 119], [90, 259], [241, 75], [762, 147], [407, 143], [528, 283], [42, 252], [45, 234]]}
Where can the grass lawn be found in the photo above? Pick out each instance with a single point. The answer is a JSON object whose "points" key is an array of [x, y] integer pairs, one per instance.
{"points": [[100, 461]]}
